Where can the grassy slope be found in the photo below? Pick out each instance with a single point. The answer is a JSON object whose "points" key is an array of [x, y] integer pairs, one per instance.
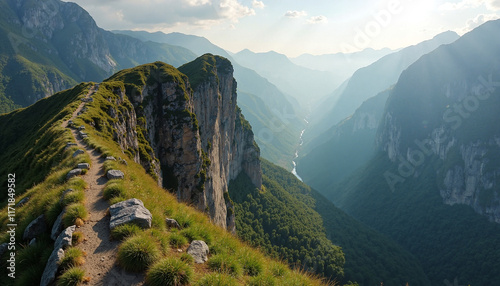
{"points": [[45, 192]]}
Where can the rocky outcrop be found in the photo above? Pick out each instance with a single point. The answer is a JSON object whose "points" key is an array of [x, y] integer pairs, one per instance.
{"points": [[194, 130], [62, 242], [131, 211]]}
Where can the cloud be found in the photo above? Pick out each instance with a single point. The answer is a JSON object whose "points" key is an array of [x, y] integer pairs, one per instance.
{"points": [[295, 14], [492, 5], [147, 14], [478, 21], [318, 20], [258, 4]]}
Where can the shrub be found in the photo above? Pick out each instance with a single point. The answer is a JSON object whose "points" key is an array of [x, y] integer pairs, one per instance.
{"points": [[225, 264], [279, 270], [73, 213], [219, 279], [72, 257], [72, 277], [113, 189], [123, 231], [137, 253], [169, 271], [197, 232]]}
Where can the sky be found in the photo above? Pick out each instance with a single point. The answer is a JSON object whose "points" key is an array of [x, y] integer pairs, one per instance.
{"points": [[295, 27]]}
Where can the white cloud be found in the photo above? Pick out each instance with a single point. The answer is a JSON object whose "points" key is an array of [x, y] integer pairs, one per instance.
{"points": [[258, 4], [492, 5], [478, 21], [165, 13], [295, 14], [318, 20]]}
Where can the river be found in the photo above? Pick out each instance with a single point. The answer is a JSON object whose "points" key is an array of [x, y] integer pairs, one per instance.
{"points": [[294, 170]]}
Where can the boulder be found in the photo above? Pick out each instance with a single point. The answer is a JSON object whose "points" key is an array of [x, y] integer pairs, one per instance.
{"points": [[58, 226], [114, 174], [172, 223], [62, 242], [81, 128], [70, 144], [35, 228], [83, 166], [110, 158], [78, 152], [82, 134], [73, 173], [33, 241], [130, 211], [198, 249]]}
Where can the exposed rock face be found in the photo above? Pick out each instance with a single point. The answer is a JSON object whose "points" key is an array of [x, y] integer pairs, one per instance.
{"points": [[194, 131], [442, 112]]}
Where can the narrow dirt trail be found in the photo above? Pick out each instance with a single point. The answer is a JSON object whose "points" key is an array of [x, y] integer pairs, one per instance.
{"points": [[101, 252]]}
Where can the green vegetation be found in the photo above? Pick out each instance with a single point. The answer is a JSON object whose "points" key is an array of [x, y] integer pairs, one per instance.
{"points": [[113, 189], [75, 214], [284, 226], [225, 263], [73, 257], [169, 271], [203, 68], [72, 277], [137, 253], [219, 279], [124, 231], [356, 239]]}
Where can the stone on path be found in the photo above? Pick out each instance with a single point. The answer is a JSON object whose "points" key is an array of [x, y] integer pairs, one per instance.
{"points": [[77, 152], [130, 211], [62, 242], [73, 173], [82, 166]]}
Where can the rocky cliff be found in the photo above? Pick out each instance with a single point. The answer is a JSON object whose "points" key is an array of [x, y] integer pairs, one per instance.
{"points": [[442, 112], [190, 125]]}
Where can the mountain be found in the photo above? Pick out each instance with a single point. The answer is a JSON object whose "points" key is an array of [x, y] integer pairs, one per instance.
{"points": [[271, 219], [282, 114], [345, 147], [54, 46], [137, 122], [305, 85], [342, 65], [433, 184], [369, 81]]}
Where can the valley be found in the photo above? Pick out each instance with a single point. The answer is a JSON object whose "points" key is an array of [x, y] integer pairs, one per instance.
{"points": [[247, 143]]}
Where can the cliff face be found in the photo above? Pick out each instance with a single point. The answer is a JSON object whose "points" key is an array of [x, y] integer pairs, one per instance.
{"points": [[196, 133], [442, 112]]}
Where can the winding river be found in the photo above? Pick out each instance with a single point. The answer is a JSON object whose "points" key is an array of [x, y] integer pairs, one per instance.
{"points": [[294, 170]]}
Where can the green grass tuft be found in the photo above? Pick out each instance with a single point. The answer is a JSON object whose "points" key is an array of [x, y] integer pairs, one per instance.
{"points": [[169, 271], [137, 253], [72, 257], [124, 231], [71, 277], [219, 279], [76, 196], [177, 240], [74, 212], [224, 263], [113, 189], [252, 265], [262, 280]]}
